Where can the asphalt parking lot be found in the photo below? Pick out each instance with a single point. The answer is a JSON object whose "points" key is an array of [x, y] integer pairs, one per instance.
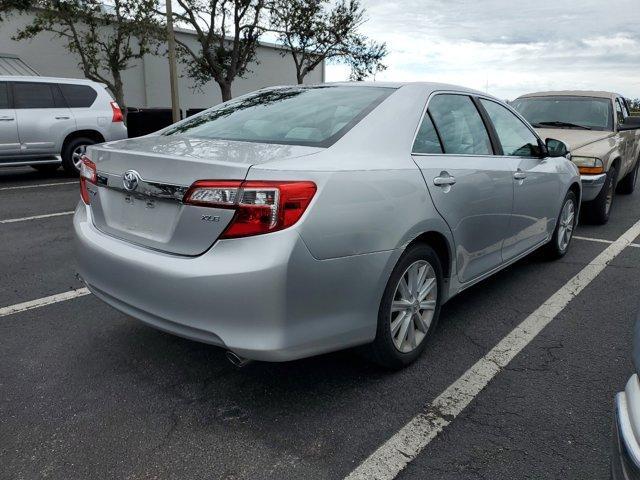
{"points": [[86, 392]]}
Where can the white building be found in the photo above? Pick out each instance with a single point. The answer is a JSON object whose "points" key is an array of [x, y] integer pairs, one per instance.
{"points": [[146, 84]]}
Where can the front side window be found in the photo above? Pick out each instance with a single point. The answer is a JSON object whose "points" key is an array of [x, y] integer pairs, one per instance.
{"points": [[427, 140], [460, 125], [572, 112], [515, 137], [313, 116], [33, 95], [619, 112], [4, 95]]}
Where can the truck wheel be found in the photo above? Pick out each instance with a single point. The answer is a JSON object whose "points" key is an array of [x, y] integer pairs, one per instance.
{"points": [[597, 211], [409, 309], [71, 154], [562, 235], [628, 184]]}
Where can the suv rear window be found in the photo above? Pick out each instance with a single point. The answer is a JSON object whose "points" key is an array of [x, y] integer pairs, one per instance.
{"points": [[78, 96], [314, 116]]}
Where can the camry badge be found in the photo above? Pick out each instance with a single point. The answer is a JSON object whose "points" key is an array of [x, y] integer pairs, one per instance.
{"points": [[130, 180]]}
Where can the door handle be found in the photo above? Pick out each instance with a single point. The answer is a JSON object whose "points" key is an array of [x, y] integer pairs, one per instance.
{"points": [[519, 175], [444, 180], [6, 119], [62, 118]]}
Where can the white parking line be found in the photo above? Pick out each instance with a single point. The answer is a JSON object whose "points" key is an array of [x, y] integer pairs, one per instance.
{"points": [[35, 217], [394, 455], [41, 302], [21, 187], [602, 240]]}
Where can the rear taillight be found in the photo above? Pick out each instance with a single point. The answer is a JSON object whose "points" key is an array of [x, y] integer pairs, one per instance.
{"points": [[117, 112], [261, 207], [88, 173]]}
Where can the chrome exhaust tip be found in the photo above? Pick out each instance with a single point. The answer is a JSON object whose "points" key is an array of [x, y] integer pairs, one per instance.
{"points": [[237, 360]]}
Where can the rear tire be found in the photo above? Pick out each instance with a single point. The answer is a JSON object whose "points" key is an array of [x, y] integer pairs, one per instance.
{"points": [[46, 168], [563, 234], [408, 313], [628, 184], [71, 152], [598, 210]]}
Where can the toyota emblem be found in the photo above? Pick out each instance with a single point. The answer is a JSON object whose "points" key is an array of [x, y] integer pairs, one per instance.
{"points": [[130, 180]]}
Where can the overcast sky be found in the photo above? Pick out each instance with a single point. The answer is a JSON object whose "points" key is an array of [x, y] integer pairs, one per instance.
{"points": [[509, 47]]}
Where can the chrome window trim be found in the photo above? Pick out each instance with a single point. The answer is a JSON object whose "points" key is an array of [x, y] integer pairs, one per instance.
{"points": [[146, 188]]}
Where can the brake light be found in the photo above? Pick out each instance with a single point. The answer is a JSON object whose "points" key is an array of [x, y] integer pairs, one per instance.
{"points": [[261, 207], [117, 112], [88, 173]]}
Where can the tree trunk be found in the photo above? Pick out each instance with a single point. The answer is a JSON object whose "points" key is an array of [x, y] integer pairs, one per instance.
{"points": [[300, 79], [225, 90]]}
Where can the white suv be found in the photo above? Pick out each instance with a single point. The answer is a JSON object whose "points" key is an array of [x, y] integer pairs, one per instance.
{"points": [[48, 121]]}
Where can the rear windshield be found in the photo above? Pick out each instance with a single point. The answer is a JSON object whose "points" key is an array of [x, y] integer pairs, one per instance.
{"points": [[313, 116], [566, 112]]}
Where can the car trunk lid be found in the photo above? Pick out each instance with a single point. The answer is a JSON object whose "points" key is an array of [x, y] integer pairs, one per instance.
{"points": [[146, 208]]}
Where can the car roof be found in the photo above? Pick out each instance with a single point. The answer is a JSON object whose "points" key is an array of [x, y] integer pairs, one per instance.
{"points": [[573, 93], [35, 78], [430, 86]]}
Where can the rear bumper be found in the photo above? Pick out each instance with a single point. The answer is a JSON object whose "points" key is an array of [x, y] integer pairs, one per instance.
{"points": [[591, 186], [265, 297], [625, 460]]}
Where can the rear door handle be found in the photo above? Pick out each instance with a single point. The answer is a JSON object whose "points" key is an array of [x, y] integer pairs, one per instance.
{"points": [[6, 119], [519, 175], [62, 118], [444, 180]]}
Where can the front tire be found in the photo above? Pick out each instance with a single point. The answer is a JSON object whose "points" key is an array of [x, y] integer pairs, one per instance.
{"points": [[562, 235], [409, 309], [71, 154], [598, 210]]}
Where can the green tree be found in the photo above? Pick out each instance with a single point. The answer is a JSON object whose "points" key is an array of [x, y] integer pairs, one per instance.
{"points": [[227, 32], [106, 38], [319, 30]]}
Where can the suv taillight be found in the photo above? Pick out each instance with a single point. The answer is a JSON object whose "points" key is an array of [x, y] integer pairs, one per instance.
{"points": [[117, 112], [88, 173], [261, 207]]}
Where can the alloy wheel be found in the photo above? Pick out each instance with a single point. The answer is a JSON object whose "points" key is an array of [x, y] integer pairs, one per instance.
{"points": [[76, 155], [610, 193], [413, 306], [567, 223]]}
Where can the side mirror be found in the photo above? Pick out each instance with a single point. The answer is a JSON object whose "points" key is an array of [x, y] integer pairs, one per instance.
{"points": [[630, 123], [556, 148]]}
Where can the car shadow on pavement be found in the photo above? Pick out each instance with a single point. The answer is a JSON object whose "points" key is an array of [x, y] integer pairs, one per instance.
{"points": [[28, 174]]}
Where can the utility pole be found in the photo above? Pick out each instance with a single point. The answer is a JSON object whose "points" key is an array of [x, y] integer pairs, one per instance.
{"points": [[173, 70]]}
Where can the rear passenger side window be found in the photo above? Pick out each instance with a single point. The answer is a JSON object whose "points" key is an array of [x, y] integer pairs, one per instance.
{"points": [[515, 137], [78, 96], [4, 95], [427, 140], [460, 126], [34, 95]]}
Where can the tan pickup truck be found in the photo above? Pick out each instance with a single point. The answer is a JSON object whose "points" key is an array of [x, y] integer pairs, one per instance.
{"points": [[604, 141]]}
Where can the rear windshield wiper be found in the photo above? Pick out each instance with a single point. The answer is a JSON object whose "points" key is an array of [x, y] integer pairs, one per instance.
{"points": [[560, 124]]}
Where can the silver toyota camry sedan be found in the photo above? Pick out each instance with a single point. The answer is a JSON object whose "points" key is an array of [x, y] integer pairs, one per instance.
{"points": [[300, 220]]}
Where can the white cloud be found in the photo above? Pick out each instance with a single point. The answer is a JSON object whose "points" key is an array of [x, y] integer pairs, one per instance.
{"points": [[509, 47]]}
